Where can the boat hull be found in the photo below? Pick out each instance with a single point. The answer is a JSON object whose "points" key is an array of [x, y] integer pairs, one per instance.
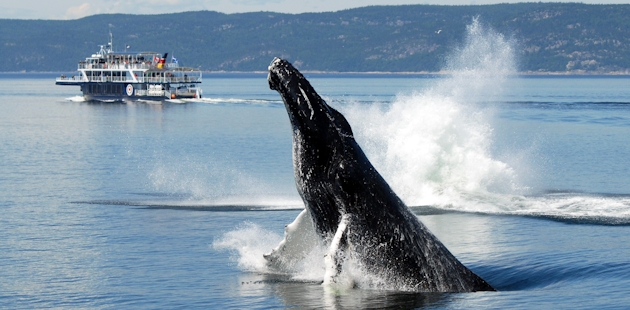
{"points": [[117, 92]]}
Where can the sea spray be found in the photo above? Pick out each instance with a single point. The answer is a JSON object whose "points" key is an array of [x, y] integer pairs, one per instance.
{"points": [[248, 243], [208, 179], [434, 146]]}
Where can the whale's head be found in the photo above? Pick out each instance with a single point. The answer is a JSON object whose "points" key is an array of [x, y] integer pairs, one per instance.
{"points": [[308, 112]]}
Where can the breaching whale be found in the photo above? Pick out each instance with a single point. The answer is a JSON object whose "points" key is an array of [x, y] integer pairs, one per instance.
{"points": [[353, 210]]}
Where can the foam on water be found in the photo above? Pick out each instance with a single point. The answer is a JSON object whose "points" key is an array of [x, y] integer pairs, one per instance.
{"points": [[143, 101], [76, 99], [176, 101]]}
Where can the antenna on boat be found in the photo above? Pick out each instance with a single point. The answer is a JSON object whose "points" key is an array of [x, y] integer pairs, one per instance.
{"points": [[110, 44]]}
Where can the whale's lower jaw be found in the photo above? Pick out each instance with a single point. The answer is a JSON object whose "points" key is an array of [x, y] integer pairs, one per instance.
{"points": [[350, 208]]}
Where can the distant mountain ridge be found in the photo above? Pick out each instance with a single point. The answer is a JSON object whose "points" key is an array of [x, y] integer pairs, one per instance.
{"points": [[550, 37]]}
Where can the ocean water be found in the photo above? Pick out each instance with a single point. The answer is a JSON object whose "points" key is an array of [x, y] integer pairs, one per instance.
{"points": [[172, 205], [138, 205]]}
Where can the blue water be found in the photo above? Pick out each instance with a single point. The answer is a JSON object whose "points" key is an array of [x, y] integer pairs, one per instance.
{"points": [[171, 205]]}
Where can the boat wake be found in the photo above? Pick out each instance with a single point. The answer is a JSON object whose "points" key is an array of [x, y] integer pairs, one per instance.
{"points": [[76, 99], [179, 100]]}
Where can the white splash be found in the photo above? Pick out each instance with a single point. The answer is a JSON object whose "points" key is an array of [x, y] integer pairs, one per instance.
{"points": [[248, 244], [300, 254], [433, 147]]}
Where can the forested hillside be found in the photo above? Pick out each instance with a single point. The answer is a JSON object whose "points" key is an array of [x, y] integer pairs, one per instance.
{"points": [[548, 37]]}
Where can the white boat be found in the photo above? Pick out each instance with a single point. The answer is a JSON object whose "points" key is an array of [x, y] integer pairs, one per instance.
{"points": [[117, 76]]}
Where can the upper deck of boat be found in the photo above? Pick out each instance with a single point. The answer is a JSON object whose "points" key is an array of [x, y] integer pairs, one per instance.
{"points": [[130, 68], [119, 74]]}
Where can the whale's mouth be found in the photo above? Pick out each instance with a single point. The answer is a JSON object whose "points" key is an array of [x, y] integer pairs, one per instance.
{"points": [[275, 76]]}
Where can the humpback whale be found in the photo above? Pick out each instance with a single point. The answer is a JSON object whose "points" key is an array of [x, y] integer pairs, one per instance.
{"points": [[353, 211]]}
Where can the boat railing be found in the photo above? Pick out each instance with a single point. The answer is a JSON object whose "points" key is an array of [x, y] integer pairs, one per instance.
{"points": [[73, 78], [128, 79], [117, 66], [102, 79], [170, 79]]}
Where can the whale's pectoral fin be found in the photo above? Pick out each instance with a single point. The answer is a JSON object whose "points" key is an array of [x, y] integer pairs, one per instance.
{"points": [[337, 252], [299, 239]]}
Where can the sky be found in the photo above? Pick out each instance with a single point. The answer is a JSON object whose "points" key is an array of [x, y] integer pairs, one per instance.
{"points": [[73, 9]]}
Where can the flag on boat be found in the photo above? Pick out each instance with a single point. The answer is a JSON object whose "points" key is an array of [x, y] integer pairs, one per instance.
{"points": [[173, 60], [162, 60]]}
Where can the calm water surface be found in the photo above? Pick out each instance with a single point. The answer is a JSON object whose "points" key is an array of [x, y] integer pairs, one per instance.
{"points": [[140, 205]]}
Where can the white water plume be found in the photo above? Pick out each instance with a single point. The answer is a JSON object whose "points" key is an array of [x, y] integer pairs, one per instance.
{"points": [[433, 147]]}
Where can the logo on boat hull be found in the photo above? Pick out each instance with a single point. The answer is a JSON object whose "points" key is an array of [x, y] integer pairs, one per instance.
{"points": [[129, 90]]}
